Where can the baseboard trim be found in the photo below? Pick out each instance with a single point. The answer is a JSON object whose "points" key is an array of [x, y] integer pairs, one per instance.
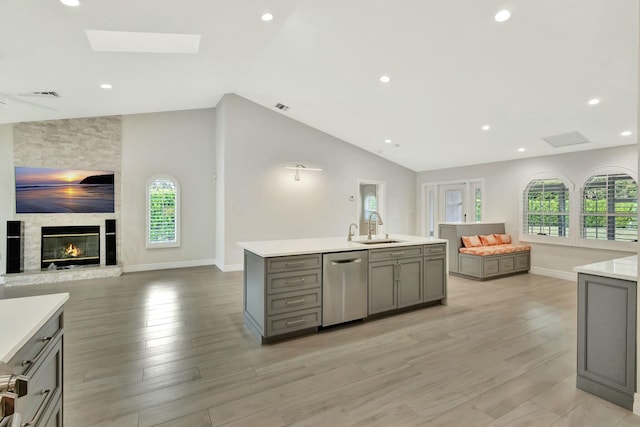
{"points": [[636, 403], [556, 274], [232, 267], [167, 265]]}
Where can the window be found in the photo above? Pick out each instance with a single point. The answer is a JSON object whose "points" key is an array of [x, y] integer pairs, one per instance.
{"points": [[546, 208], [610, 208], [477, 202], [163, 212]]}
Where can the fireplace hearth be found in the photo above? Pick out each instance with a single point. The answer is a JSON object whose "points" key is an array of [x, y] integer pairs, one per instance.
{"points": [[70, 246]]}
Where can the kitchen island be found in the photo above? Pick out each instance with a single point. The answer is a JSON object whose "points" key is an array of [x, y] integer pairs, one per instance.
{"points": [[606, 359], [31, 359], [298, 286]]}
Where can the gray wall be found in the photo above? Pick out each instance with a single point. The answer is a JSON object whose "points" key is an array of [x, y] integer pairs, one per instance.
{"points": [[261, 199], [181, 144], [504, 185], [7, 183]]}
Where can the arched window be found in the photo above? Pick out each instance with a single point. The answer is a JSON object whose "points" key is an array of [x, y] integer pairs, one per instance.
{"points": [[610, 208], [546, 208], [163, 203]]}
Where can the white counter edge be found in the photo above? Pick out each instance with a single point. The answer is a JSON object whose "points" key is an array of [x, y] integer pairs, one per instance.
{"points": [[620, 268]]}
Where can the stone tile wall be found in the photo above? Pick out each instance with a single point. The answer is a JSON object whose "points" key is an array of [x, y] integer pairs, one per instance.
{"points": [[93, 143]]}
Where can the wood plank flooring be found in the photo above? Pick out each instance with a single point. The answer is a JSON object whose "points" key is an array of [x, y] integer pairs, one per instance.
{"points": [[169, 348]]}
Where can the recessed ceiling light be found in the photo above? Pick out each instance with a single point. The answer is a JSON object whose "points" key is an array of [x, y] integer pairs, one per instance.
{"points": [[594, 101], [106, 86], [385, 79], [266, 17], [72, 3], [521, 150], [626, 133], [388, 141], [502, 16], [486, 127]]}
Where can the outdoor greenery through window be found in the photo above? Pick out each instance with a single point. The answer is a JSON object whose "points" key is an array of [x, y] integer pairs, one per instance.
{"points": [[478, 204], [163, 224], [610, 208], [546, 208]]}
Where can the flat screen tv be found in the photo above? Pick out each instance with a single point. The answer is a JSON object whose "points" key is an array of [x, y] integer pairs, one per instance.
{"points": [[44, 190]]}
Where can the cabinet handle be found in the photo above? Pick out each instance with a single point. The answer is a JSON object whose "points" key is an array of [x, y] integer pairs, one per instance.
{"points": [[36, 417], [397, 253], [294, 282], [298, 301], [295, 322], [293, 264], [42, 351]]}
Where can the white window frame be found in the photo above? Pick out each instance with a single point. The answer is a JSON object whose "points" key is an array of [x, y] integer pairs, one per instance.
{"points": [[158, 245], [381, 202], [603, 244], [534, 238]]}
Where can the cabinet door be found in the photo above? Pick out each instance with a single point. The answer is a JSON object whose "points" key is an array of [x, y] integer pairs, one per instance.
{"points": [[434, 278], [607, 333], [382, 286], [409, 274]]}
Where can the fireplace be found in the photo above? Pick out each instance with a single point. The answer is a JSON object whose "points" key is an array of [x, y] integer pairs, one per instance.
{"points": [[70, 246]]}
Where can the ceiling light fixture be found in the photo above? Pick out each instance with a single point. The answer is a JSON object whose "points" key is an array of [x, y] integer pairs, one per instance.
{"points": [[594, 101], [106, 86], [388, 141], [266, 17], [299, 167], [502, 16], [72, 3], [626, 133], [486, 127], [521, 150], [385, 79]]}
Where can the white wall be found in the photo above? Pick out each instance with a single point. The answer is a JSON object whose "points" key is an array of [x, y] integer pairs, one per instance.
{"points": [[7, 185], [262, 200], [505, 182], [181, 144]]}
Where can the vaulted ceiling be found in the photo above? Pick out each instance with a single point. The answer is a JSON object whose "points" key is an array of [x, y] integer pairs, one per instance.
{"points": [[452, 68]]}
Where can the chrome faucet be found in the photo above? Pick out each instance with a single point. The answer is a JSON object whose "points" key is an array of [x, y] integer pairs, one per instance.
{"points": [[379, 222], [351, 234]]}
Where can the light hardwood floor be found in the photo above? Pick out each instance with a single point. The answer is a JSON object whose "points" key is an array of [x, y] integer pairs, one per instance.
{"points": [[169, 348]]}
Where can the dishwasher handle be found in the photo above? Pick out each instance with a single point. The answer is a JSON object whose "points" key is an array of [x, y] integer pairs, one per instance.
{"points": [[346, 261]]}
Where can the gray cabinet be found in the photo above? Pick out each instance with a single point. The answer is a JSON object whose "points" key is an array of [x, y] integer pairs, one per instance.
{"points": [[282, 294], [395, 278], [435, 273], [607, 338], [40, 361]]}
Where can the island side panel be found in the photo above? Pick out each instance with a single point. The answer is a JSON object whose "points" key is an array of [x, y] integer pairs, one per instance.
{"points": [[254, 292]]}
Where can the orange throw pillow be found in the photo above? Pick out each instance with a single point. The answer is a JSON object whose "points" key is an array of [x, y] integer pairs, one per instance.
{"points": [[488, 240], [471, 241], [503, 239]]}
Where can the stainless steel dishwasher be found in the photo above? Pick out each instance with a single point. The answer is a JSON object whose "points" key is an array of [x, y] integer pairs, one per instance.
{"points": [[344, 287]]}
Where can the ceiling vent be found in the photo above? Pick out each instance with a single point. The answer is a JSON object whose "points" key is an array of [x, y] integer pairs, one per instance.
{"points": [[566, 139], [46, 94], [281, 107]]}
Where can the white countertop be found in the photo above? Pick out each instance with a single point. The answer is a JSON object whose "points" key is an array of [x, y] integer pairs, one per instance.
{"points": [[22, 318], [271, 248], [620, 268]]}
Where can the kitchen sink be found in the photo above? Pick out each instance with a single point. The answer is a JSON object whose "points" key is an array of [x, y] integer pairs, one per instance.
{"points": [[376, 241]]}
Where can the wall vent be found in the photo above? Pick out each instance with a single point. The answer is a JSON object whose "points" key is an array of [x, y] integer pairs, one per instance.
{"points": [[566, 139], [281, 107]]}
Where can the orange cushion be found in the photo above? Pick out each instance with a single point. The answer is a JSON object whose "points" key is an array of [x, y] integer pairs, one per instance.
{"points": [[471, 241], [488, 240], [503, 239], [495, 249]]}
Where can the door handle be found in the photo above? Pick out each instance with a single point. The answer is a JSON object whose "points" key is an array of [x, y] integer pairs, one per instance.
{"points": [[346, 261]]}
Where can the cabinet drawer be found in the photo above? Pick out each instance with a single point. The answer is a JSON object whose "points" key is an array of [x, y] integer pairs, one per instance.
{"points": [[292, 301], [395, 253], [434, 250], [44, 387], [37, 345], [522, 262], [290, 263], [289, 322], [294, 281], [491, 266], [53, 415], [506, 264]]}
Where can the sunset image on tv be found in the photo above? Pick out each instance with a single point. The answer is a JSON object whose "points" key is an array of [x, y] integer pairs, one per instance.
{"points": [[44, 190]]}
